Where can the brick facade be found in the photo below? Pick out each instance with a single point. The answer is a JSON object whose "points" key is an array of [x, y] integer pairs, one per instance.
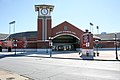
{"points": [[71, 29]]}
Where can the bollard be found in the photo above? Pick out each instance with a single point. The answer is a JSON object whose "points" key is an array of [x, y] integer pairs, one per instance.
{"points": [[87, 54], [93, 53], [0, 48], [9, 49], [97, 53]]}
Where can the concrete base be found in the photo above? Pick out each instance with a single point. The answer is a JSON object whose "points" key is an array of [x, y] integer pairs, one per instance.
{"points": [[87, 52], [43, 50]]}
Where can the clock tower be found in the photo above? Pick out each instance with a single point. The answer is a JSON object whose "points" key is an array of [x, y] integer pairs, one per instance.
{"points": [[44, 23]]}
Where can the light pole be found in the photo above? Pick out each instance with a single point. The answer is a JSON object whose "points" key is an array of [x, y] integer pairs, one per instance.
{"points": [[91, 24], [15, 45], [97, 29], [97, 45], [13, 22], [116, 46], [50, 44]]}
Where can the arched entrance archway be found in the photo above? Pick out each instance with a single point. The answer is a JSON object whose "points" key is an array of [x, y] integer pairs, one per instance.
{"points": [[65, 42]]}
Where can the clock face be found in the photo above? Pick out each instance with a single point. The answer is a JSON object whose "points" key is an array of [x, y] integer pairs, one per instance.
{"points": [[44, 11]]}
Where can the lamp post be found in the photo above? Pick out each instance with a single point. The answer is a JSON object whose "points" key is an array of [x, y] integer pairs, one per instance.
{"points": [[97, 29], [116, 46], [91, 24], [50, 44], [13, 22], [15, 45], [97, 45]]}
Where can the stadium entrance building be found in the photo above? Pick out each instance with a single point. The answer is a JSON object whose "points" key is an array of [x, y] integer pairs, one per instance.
{"points": [[66, 37], [62, 37]]}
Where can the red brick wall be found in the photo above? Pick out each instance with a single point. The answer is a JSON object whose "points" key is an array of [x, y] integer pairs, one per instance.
{"points": [[39, 27], [70, 27], [106, 44], [31, 45], [49, 28], [42, 45]]}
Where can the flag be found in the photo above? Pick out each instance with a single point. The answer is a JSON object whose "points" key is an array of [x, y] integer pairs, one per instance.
{"points": [[12, 22]]}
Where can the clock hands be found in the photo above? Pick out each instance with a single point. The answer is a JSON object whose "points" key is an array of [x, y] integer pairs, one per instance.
{"points": [[44, 11]]}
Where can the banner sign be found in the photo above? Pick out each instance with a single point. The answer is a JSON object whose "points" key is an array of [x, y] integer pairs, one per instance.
{"points": [[86, 40]]}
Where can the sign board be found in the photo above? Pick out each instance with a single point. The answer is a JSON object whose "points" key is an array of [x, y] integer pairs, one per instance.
{"points": [[86, 40]]}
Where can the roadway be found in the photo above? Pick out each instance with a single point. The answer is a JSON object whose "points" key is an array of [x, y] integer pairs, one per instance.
{"points": [[39, 68]]}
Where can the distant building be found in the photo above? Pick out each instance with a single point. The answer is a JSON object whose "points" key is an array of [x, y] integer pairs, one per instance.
{"points": [[108, 40]]}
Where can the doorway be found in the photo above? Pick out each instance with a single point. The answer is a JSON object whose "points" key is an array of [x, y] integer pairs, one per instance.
{"points": [[65, 43]]}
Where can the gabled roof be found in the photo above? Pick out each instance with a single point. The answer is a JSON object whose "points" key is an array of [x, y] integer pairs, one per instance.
{"points": [[66, 28], [65, 22]]}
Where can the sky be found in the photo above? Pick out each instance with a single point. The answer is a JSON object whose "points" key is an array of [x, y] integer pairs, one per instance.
{"points": [[80, 13]]}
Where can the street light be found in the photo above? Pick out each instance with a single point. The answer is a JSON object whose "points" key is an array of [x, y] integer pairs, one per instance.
{"points": [[97, 29], [50, 44], [13, 22], [15, 45], [91, 24], [97, 45], [116, 46]]}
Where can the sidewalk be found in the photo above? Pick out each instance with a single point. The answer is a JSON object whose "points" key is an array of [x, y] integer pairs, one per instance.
{"points": [[6, 75], [107, 55], [103, 56]]}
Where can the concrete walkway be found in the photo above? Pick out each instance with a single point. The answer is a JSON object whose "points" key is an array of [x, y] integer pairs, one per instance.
{"points": [[103, 55]]}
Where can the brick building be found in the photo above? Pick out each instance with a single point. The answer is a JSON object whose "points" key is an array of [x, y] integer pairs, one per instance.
{"points": [[63, 37]]}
